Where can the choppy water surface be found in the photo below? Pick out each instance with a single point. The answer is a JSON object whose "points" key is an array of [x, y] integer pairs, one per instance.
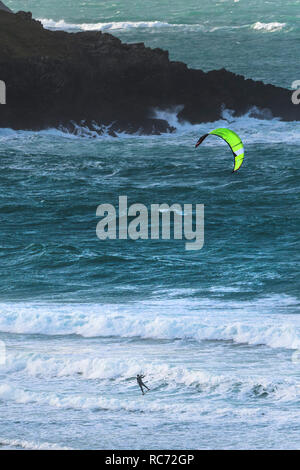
{"points": [[216, 331]]}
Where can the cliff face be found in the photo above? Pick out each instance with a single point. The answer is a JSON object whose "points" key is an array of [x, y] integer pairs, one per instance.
{"points": [[54, 77]]}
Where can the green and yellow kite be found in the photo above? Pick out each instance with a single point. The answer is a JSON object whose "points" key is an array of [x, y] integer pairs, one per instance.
{"points": [[234, 142]]}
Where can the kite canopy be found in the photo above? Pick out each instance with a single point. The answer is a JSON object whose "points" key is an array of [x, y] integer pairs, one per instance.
{"points": [[234, 142]]}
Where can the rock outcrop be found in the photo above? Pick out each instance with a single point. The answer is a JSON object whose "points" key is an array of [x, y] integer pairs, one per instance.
{"points": [[60, 79], [4, 7]]}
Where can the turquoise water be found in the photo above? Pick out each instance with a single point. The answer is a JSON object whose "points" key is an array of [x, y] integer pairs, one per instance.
{"points": [[216, 331], [258, 39]]}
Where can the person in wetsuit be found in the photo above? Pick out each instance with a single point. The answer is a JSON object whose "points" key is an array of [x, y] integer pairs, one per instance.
{"points": [[139, 379]]}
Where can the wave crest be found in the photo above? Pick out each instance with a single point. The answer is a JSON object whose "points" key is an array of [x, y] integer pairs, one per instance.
{"points": [[198, 321], [269, 27]]}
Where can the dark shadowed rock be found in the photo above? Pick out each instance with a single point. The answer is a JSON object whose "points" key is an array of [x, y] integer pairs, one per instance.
{"points": [[60, 79], [4, 7], [25, 15]]}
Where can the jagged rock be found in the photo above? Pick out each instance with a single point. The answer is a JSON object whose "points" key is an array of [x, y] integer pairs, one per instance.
{"points": [[4, 7], [54, 78], [25, 15]]}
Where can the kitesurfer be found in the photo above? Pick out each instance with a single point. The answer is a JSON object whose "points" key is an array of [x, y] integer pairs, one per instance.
{"points": [[139, 379]]}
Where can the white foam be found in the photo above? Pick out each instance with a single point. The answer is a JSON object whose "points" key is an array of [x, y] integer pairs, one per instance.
{"points": [[173, 380], [7, 134], [269, 27], [208, 319], [252, 129], [80, 402], [104, 368], [158, 374], [117, 25], [19, 443], [127, 26]]}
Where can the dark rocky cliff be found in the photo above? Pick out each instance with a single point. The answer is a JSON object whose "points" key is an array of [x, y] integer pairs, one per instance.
{"points": [[54, 78], [4, 7]]}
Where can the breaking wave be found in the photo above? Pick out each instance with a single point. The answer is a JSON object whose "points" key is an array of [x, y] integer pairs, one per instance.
{"points": [[198, 321], [117, 25], [127, 26], [22, 444], [262, 129], [160, 376], [269, 27], [257, 125]]}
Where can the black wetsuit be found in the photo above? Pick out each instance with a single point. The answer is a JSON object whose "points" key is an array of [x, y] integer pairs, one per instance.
{"points": [[141, 383]]}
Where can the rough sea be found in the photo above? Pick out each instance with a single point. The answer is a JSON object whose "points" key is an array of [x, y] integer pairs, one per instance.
{"points": [[215, 331]]}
